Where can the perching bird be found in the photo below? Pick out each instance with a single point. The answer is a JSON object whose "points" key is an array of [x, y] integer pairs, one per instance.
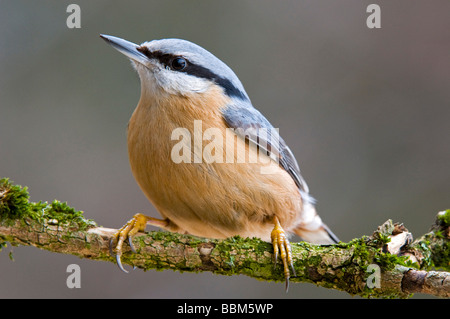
{"points": [[206, 184]]}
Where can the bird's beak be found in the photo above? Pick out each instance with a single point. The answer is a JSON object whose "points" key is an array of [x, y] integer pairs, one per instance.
{"points": [[125, 47]]}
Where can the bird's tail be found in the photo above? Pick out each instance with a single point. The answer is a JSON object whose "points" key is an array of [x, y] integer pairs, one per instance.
{"points": [[320, 236], [313, 229]]}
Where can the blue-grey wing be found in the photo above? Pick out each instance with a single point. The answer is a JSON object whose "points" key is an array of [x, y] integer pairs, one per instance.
{"points": [[250, 124]]}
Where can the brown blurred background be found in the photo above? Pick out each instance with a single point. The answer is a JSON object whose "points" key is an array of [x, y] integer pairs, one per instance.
{"points": [[365, 111]]}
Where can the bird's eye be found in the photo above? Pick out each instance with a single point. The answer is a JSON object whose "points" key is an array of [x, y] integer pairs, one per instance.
{"points": [[178, 64]]}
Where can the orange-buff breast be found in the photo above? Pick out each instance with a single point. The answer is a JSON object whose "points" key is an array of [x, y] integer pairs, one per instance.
{"points": [[210, 199]]}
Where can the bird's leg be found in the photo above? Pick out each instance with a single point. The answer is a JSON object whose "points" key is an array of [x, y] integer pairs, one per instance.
{"points": [[134, 225], [282, 246]]}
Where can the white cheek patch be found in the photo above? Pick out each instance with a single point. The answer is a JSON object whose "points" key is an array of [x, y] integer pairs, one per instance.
{"points": [[156, 80], [180, 83]]}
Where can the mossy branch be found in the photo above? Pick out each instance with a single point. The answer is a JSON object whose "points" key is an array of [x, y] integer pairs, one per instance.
{"points": [[387, 264]]}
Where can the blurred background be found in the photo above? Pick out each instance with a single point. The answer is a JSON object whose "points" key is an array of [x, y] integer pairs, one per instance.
{"points": [[365, 111]]}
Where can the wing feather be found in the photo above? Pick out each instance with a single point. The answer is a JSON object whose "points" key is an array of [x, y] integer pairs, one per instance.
{"points": [[250, 124]]}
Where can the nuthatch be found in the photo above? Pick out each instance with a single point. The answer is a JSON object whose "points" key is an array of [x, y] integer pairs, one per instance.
{"points": [[182, 85]]}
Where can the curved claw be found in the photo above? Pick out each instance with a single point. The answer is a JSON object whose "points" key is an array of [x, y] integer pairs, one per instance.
{"points": [[111, 252], [117, 256], [119, 263], [130, 242]]}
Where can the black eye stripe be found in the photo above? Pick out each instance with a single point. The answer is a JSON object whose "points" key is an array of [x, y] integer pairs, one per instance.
{"points": [[195, 70], [202, 72], [163, 58]]}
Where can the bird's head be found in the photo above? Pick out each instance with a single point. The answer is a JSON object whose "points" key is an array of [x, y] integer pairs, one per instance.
{"points": [[178, 67]]}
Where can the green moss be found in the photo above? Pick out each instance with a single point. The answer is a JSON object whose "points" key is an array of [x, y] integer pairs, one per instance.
{"points": [[15, 205], [444, 217], [434, 246], [60, 213], [444, 258], [13, 200], [388, 261], [250, 249], [440, 257]]}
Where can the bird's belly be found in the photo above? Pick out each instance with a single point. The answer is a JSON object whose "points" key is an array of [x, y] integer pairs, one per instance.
{"points": [[217, 200]]}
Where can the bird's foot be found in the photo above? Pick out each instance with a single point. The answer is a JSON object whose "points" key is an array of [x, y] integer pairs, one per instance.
{"points": [[282, 247], [127, 231]]}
